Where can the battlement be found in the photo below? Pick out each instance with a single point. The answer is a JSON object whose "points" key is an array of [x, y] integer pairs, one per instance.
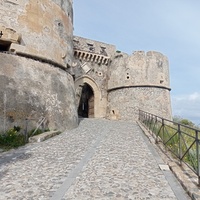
{"points": [[93, 47], [91, 57]]}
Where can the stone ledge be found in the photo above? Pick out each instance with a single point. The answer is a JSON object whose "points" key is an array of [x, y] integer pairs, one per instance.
{"points": [[43, 136]]}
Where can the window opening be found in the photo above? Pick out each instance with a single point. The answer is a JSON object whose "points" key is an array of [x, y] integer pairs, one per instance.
{"points": [[127, 77]]}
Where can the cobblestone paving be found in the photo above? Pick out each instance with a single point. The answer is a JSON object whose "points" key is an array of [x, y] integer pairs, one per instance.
{"points": [[100, 159]]}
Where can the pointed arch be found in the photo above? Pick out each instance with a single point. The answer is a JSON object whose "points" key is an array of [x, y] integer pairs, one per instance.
{"points": [[79, 84]]}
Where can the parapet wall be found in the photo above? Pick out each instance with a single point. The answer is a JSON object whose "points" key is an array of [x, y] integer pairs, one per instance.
{"points": [[139, 69], [93, 46]]}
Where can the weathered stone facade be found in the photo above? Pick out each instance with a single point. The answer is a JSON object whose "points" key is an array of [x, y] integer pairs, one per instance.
{"points": [[124, 83], [139, 81], [47, 72], [41, 28], [90, 66], [36, 54]]}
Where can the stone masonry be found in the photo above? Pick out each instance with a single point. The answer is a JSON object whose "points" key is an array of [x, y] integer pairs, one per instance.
{"points": [[121, 84], [47, 72], [99, 160], [36, 52]]}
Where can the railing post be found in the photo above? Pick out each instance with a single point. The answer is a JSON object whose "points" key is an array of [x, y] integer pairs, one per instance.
{"points": [[179, 145], [156, 121], [26, 131], [163, 134], [159, 131], [198, 159], [139, 115]]}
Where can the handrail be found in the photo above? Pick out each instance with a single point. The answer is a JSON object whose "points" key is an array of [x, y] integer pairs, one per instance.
{"points": [[40, 122], [183, 141]]}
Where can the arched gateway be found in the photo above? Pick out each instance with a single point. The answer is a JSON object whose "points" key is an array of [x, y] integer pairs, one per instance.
{"points": [[88, 97], [86, 102]]}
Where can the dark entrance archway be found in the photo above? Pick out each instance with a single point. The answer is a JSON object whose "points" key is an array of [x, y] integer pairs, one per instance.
{"points": [[4, 46], [86, 104]]}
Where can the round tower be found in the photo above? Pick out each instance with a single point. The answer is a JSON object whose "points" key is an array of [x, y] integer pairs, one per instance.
{"points": [[36, 52], [139, 81]]}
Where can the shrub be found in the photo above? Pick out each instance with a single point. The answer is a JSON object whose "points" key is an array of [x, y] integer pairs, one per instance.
{"points": [[11, 138]]}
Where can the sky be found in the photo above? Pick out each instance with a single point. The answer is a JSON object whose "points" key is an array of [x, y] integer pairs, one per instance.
{"points": [[171, 27]]}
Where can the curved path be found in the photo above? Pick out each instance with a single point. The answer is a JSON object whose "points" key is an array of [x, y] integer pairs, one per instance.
{"points": [[100, 159]]}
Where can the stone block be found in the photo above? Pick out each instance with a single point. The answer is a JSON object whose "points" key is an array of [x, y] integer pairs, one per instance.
{"points": [[17, 48], [43, 136], [10, 35]]}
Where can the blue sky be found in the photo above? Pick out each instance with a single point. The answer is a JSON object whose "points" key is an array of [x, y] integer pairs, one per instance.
{"points": [[171, 27]]}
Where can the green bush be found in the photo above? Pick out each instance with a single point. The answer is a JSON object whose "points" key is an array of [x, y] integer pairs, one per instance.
{"points": [[11, 139]]}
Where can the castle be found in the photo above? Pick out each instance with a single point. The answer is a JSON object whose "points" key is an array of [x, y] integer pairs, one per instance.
{"points": [[46, 71]]}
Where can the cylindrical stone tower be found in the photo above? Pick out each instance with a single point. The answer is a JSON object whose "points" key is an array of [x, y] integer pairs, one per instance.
{"points": [[36, 51], [139, 81]]}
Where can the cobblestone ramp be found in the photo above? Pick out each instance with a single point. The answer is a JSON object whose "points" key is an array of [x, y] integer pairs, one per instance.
{"points": [[100, 159]]}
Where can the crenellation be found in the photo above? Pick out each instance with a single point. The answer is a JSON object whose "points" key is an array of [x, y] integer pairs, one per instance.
{"points": [[92, 46]]}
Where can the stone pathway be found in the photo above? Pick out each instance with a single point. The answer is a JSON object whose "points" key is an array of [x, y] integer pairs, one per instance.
{"points": [[101, 159]]}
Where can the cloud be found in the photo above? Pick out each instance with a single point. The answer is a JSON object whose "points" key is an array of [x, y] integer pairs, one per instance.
{"points": [[187, 106], [194, 97]]}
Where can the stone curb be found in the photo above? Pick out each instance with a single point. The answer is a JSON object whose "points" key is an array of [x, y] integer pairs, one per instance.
{"points": [[43, 136], [183, 173]]}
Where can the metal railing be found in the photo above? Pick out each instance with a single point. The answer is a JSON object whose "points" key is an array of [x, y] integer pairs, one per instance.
{"points": [[183, 141]]}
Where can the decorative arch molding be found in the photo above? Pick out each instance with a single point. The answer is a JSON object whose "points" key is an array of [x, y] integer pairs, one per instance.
{"points": [[97, 92], [87, 79]]}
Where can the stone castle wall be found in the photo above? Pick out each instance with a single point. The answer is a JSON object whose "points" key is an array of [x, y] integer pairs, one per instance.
{"points": [[139, 69], [41, 28], [127, 83], [139, 81], [32, 90], [124, 103], [38, 49], [91, 62], [38, 41]]}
